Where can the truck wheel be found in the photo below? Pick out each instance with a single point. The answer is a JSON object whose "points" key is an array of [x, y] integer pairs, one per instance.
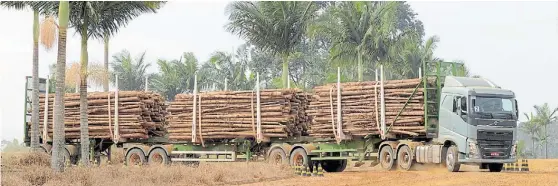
{"points": [[158, 156], [495, 167], [135, 157], [67, 158], [405, 158], [386, 158], [452, 161], [299, 158], [278, 157], [334, 165]]}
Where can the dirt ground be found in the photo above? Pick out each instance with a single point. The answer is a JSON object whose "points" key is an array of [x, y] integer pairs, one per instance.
{"points": [[542, 172]]}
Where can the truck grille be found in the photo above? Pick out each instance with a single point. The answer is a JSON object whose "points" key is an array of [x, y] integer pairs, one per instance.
{"points": [[495, 144], [494, 135]]}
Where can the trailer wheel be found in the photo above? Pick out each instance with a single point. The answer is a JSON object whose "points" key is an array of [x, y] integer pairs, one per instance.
{"points": [[387, 158], [299, 158], [277, 156], [158, 156], [495, 167], [67, 158], [405, 158], [135, 157], [334, 165], [452, 161]]}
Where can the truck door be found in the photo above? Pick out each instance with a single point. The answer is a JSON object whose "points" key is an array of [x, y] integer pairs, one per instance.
{"points": [[453, 126]]}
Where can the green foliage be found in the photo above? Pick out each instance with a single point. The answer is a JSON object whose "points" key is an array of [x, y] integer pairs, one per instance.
{"points": [[273, 26], [232, 67], [131, 73], [13, 146], [176, 76]]}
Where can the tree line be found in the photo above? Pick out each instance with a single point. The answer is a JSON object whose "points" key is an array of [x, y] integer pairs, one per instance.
{"points": [[300, 44]]}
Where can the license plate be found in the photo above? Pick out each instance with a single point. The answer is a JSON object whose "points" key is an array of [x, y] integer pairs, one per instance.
{"points": [[494, 154]]}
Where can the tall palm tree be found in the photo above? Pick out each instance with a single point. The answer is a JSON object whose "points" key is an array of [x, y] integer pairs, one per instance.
{"points": [[131, 73], [357, 30], [58, 133], [176, 76], [47, 43], [531, 126], [546, 116], [123, 16], [97, 19], [272, 26]]}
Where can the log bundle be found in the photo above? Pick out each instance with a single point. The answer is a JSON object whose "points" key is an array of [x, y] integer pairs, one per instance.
{"points": [[140, 114], [361, 108], [233, 114]]}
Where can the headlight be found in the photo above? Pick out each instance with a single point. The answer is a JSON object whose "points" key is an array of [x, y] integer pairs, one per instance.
{"points": [[473, 150]]}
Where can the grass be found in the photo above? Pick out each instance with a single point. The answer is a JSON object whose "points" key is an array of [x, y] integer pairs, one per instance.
{"points": [[34, 169]]}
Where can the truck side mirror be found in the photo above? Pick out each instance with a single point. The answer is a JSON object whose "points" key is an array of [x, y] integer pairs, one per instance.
{"points": [[516, 109]]}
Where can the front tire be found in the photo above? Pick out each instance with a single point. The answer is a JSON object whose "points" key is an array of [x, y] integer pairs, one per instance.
{"points": [[452, 161], [495, 167], [386, 158]]}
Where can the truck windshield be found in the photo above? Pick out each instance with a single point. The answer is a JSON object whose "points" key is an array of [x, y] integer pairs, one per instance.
{"points": [[493, 104]]}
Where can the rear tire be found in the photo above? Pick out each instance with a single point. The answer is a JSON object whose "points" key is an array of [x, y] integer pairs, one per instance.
{"points": [[495, 167], [158, 156], [405, 158], [278, 157], [135, 157], [386, 158], [452, 161], [299, 158], [334, 165]]}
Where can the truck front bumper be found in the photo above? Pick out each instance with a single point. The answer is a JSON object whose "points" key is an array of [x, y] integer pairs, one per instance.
{"points": [[470, 160]]}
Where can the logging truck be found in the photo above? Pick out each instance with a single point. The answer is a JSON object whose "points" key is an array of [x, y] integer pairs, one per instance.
{"points": [[467, 120]]}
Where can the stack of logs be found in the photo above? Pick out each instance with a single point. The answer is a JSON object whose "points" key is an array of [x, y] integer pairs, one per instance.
{"points": [[141, 114], [233, 114], [361, 108]]}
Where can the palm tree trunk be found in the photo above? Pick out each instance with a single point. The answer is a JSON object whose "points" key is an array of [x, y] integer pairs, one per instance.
{"points": [[84, 127], [546, 142], [106, 80], [359, 67], [35, 96], [58, 133], [534, 152], [285, 75]]}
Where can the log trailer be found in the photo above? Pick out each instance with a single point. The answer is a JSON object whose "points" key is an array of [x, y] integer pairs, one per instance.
{"points": [[467, 121]]}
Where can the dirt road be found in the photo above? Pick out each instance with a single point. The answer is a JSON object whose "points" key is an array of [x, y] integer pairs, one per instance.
{"points": [[543, 173]]}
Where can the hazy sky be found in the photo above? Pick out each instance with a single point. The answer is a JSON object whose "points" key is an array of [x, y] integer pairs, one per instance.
{"points": [[514, 44]]}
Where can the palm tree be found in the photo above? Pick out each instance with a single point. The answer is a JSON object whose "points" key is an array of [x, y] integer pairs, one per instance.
{"points": [[96, 19], [58, 133], [531, 126], [131, 73], [546, 116], [47, 31], [272, 26], [359, 31], [176, 76], [232, 67], [122, 15]]}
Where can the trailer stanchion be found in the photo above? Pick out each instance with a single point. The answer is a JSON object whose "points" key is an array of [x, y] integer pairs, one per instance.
{"points": [[258, 110], [194, 109]]}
